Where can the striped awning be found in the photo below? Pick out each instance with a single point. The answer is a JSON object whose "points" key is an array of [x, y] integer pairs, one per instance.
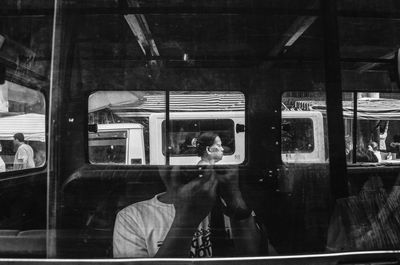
{"points": [[31, 125], [182, 103], [367, 108]]}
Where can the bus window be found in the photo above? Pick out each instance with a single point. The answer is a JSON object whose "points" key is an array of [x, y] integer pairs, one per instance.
{"points": [[297, 135], [25, 63], [22, 128], [373, 137], [304, 135], [189, 114], [123, 113], [184, 135], [107, 147]]}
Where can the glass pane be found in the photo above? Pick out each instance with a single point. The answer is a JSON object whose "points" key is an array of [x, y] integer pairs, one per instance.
{"points": [[123, 120], [185, 133], [377, 123], [26, 29], [304, 136], [107, 147], [297, 135], [225, 73], [190, 121], [22, 128]]}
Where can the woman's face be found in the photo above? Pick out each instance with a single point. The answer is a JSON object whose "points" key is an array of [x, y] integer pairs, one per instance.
{"points": [[216, 150]]}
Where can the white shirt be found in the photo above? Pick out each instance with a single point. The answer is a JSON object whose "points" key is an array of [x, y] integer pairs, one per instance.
{"points": [[141, 228], [24, 153], [378, 155], [2, 165]]}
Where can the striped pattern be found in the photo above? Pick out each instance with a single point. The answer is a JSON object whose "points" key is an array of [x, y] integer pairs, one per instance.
{"points": [[182, 103], [31, 125], [367, 108]]}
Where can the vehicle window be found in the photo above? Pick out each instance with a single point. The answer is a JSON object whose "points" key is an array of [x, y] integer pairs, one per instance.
{"points": [[107, 147], [22, 128], [297, 135], [174, 78], [304, 132], [122, 121], [373, 138], [185, 133], [25, 71], [131, 126]]}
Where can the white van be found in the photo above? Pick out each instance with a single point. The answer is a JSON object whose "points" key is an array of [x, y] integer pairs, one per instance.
{"points": [[124, 143], [117, 143], [186, 127], [303, 137]]}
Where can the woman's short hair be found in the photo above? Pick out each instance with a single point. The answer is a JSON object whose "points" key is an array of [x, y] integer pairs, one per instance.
{"points": [[203, 141]]}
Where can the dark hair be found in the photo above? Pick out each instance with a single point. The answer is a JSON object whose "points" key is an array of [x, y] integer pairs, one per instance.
{"points": [[19, 137], [204, 140], [396, 138], [364, 155]]}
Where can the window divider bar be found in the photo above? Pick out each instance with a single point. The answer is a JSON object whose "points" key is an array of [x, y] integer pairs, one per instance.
{"points": [[334, 101], [167, 129], [354, 134]]}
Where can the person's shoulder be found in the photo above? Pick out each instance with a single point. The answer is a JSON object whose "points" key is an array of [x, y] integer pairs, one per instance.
{"points": [[202, 163], [27, 146], [136, 208]]}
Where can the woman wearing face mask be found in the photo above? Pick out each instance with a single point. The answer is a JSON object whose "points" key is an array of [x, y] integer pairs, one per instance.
{"points": [[209, 148]]}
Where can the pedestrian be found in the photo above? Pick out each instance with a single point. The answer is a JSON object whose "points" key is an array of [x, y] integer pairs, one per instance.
{"points": [[2, 164], [24, 156]]}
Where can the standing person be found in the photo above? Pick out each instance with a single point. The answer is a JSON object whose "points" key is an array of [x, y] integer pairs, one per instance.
{"points": [[24, 156], [175, 223], [349, 148], [383, 136], [2, 164]]}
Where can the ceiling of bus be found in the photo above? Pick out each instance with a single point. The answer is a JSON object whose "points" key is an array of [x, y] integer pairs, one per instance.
{"points": [[207, 34]]}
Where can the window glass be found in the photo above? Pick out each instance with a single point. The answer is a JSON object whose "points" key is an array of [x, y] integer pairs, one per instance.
{"points": [[108, 147], [26, 31], [216, 68], [122, 122], [297, 135], [304, 132], [131, 126], [22, 128], [369, 214], [374, 137], [185, 133], [371, 123]]}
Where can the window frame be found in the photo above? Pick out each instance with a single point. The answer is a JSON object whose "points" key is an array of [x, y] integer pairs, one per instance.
{"points": [[42, 168]]}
